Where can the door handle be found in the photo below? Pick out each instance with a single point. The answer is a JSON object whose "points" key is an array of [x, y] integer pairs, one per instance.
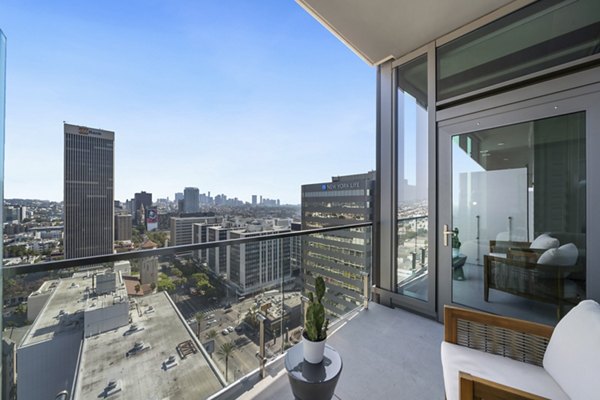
{"points": [[447, 232]]}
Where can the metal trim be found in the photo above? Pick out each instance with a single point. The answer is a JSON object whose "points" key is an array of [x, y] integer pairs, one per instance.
{"points": [[547, 73], [482, 21]]}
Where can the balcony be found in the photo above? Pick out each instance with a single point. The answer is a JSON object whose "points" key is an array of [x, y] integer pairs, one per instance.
{"points": [[388, 352]]}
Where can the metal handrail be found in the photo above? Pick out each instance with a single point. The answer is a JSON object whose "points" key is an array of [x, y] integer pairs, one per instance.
{"points": [[411, 218], [107, 258]]}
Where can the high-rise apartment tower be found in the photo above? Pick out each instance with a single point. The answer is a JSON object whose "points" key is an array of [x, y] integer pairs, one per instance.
{"points": [[88, 191]]}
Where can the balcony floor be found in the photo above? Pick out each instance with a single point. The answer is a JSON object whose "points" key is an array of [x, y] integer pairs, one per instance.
{"points": [[387, 353]]}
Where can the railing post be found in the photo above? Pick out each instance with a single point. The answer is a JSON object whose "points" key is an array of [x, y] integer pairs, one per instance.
{"points": [[366, 291], [261, 347]]}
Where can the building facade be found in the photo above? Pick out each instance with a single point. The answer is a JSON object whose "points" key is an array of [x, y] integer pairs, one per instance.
{"points": [[341, 257], [123, 227], [182, 231], [88, 191], [259, 265]]}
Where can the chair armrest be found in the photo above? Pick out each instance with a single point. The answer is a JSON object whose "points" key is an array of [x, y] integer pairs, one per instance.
{"points": [[453, 315], [509, 337], [529, 255], [502, 246], [472, 387]]}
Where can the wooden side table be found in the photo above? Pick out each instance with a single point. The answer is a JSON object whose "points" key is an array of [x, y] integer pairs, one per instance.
{"points": [[313, 381]]}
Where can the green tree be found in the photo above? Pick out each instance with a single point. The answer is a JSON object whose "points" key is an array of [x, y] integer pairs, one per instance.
{"points": [[137, 288], [225, 352], [165, 284]]}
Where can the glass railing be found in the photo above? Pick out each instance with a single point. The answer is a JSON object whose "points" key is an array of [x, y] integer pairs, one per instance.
{"points": [[412, 258], [180, 322]]}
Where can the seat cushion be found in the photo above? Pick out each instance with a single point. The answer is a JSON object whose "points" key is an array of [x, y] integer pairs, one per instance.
{"points": [[573, 354], [506, 371]]}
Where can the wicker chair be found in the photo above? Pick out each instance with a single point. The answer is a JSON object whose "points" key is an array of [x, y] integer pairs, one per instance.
{"points": [[489, 357], [508, 337], [519, 274]]}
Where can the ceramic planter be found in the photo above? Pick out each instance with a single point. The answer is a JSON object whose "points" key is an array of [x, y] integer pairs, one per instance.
{"points": [[313, 351]]}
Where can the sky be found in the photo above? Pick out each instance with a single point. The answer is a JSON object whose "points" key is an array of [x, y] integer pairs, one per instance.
{"points": [[235, 97]]}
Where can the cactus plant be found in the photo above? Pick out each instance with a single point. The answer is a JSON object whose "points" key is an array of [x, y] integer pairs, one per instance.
{"points": [[315, 325]]}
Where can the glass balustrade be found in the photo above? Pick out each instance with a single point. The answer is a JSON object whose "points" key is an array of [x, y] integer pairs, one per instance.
{"points": [[179, 321]]}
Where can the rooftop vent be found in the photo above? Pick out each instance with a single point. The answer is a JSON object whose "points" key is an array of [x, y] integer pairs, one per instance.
{"points": [[170, 362], [113, 386]]}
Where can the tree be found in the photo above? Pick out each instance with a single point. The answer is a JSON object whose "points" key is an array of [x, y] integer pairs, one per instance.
{"points": [[199, 317], [225, 351], [165, 284], [211, 334], [137, 288]]}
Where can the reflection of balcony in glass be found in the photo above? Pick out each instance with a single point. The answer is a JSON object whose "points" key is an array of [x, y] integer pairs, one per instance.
{"points": [[89, 191], [340, 257]]}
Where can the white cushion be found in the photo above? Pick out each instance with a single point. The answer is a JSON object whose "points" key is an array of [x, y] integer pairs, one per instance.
{"points": [[544, 242], [565, 255], [573, 354], [506, 371]]}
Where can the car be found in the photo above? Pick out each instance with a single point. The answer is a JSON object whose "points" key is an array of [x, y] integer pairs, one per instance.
{"points": [[211, 316], [225, 332], [228, 305], [230, 328], [239, 328]]}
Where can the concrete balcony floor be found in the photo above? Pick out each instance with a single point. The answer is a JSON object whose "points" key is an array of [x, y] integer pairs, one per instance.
{"points": [[387, 354]]}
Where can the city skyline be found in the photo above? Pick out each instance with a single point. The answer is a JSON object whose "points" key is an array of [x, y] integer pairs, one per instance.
{"points": [[261, 109]]}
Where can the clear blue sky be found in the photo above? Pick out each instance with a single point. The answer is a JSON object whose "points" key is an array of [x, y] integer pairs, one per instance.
{"points": [[236, 97]]}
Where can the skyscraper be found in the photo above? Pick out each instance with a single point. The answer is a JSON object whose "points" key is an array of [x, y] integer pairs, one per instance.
{"points": [[89, 191], [191, 200], [341, 256], [253, 199]]}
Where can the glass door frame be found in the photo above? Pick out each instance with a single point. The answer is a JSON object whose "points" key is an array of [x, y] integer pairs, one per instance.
{"points": [[569, 94]]}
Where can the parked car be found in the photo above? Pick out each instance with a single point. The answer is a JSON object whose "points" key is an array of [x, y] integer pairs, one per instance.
{"points": [[239, 328], [225, 332], [230, 328]]}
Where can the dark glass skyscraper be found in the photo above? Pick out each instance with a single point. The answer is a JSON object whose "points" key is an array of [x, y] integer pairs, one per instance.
{"points": [[191, 200], [89, 191]]}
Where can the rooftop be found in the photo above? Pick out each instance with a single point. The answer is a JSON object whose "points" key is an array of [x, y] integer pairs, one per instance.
{"points": [[144, 375]]}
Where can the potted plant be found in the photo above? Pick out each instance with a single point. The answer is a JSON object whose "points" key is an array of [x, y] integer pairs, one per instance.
{"points": [[455, 243], [315, 325]]}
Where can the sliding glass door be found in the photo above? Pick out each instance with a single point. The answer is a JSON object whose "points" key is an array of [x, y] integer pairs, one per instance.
{"points": [[515, 213]]}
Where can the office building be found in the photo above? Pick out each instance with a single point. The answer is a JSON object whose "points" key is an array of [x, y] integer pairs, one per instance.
{"points": [[88, 191], [296, 249], [182, 231], [254, 199], [123, 227], [259, 265], [340, 257], [191, 200], [142, 201], [217, 258]]}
